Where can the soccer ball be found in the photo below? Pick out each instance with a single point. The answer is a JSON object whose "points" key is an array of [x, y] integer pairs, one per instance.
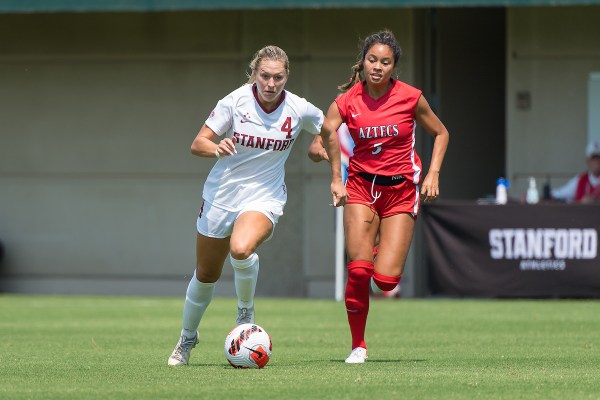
{"points": [[248, 346]]}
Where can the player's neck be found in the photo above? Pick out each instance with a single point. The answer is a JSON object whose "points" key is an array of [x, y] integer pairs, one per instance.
{"points": [[267, 106], [377, 91], [271, 105]]}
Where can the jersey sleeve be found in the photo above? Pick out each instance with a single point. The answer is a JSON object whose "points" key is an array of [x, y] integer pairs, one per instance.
{"points": [[342, 105], [313, 119], [221, 118], [567, 191], [416, 95]]}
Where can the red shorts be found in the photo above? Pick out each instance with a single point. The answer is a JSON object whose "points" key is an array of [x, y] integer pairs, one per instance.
{"points": [[384, 200]]}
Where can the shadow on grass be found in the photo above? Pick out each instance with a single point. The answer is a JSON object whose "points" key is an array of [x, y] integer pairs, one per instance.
{"points": [[284, 364], [386, 361], [193, 365]]}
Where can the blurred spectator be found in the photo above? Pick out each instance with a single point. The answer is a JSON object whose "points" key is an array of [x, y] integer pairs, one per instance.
{"points": [[583, 188]]}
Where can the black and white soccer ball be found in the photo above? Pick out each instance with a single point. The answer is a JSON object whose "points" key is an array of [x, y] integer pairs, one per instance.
{"points": [[248, 346]]}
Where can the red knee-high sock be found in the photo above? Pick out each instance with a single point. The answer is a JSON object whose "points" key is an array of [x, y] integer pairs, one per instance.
{"points": [[386, 282], [357, 300]]}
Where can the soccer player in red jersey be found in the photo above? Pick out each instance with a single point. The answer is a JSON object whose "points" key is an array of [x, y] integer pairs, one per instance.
{"points": [[384, 174]]}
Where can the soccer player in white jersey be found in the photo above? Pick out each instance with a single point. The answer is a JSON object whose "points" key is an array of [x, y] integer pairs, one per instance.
{"points": [[251, 132]]}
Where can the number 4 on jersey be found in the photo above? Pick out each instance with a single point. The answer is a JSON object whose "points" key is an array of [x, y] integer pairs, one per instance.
{"points": [[287, 127]]}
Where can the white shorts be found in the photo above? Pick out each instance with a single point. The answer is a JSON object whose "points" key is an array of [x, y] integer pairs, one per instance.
{"points": [[218, 223]]}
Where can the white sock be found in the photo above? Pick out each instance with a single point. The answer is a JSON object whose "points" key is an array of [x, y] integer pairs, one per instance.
{"points": [[197, 298], [374, 288], [246, 275]]}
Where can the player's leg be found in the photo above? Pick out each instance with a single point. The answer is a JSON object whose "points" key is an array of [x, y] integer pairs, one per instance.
{"points": [[396, 233], [398, 213], [210, 256], [360, 226], [250, 230], [214, 227], [375, 290]]}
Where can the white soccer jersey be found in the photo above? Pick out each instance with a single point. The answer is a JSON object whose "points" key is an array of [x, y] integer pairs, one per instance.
{"points": [[263, 143]]}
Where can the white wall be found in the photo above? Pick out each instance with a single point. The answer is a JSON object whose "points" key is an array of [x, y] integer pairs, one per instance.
{"points": [[594, 106], [98, 189], [551, 52]]}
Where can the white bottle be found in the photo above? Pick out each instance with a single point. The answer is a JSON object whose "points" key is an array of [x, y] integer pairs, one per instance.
{"points": [[501, 194], [532, 197]]}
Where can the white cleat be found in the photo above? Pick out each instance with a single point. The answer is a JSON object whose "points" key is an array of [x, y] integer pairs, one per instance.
{"points": [[181, 354], [357, 356], [245, 316]]}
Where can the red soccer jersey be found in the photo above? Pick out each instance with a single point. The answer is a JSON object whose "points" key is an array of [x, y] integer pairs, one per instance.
{"points": [[585, 189], [383, 130]]}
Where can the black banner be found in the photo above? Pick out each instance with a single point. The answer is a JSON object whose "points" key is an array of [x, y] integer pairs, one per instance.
{"points": [[513, 250]]}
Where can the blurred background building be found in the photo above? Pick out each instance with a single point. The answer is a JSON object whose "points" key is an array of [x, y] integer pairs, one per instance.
{"points": [[101, 99]]}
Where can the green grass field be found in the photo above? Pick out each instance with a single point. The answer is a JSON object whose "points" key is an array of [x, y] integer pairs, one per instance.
{"points": [[116, 348]]}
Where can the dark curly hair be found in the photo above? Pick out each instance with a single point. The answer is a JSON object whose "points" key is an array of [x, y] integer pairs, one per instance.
{"points": [[385, 37]]}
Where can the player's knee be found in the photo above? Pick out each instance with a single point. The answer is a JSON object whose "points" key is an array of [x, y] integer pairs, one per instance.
{"points": [[386, 282], [359, 277], [207, 276], [357, 288], [240, 251], [360, 271]]}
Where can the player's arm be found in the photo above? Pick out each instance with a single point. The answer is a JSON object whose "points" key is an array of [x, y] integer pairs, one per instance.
{"points": [[425, 116], [567, 191], [332, 147], [316, 151], [204, 144]]}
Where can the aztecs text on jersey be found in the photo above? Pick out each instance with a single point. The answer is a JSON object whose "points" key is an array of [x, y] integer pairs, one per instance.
{"points": [[383, 130]]}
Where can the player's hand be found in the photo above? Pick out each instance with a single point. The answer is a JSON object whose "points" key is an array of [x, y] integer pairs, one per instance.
{"points": [[430, 190], [339, 194], [226, 147]]}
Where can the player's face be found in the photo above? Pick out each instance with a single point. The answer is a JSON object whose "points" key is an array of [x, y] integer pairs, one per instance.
{"points": [[270, 77], [379, 64]]}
